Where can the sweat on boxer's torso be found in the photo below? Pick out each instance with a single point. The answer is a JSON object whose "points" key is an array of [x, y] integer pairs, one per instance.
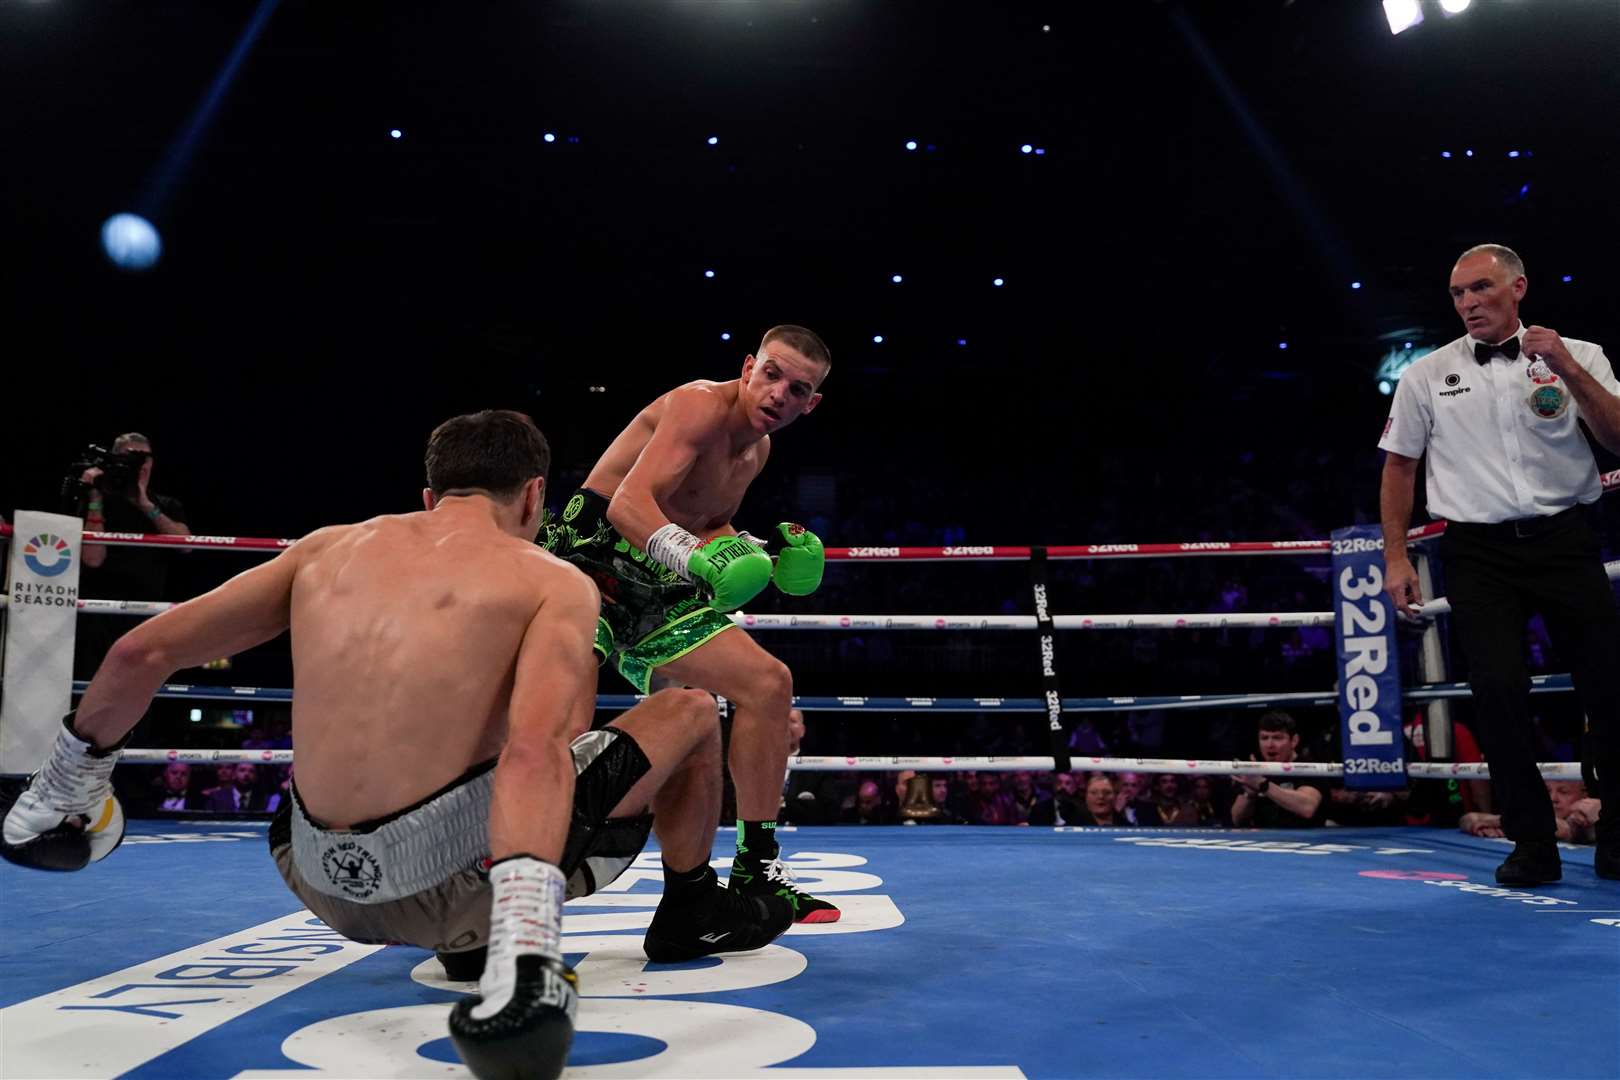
{"points": [[712, 489]]}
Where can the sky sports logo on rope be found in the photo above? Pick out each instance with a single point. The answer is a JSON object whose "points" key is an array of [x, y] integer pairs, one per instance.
{"points": [[1368, 663]]}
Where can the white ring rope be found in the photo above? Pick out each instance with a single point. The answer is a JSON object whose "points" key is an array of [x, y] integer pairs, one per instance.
{"points": [[1182, 621], [1417, 770]]}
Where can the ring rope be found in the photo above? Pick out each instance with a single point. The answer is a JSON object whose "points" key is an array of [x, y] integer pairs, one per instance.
{"points": [[959, 553], [1276, 620], [877, 553], [1417, 770], [1539, 684]]}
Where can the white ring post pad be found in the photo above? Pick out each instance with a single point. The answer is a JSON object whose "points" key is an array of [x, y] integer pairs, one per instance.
{"points": [[42, 601]]}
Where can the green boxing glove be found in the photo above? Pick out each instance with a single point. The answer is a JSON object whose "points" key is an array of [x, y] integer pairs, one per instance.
{"points": [[733, 567], [799, 561]]}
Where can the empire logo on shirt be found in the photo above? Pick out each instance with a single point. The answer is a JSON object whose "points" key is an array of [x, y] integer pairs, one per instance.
{"points": [[1452, 380]]}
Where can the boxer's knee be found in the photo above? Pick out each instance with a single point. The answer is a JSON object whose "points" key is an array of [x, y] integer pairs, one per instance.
{"points": [[770, 687]]}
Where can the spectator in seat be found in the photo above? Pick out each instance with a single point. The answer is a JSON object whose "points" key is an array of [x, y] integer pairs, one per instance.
{"points": [[171, 788], [1265, 803], [241, 796]]}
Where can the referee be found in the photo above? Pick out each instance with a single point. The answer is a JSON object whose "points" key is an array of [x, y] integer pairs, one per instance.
{"points": [[1496, 412]]}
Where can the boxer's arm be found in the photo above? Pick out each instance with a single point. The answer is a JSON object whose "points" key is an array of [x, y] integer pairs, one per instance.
{"points": [[553, 699], [691, 419], [251, 608]]}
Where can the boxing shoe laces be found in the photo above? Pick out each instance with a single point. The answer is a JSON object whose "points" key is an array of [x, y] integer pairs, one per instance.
{"points": [[776, 878]]}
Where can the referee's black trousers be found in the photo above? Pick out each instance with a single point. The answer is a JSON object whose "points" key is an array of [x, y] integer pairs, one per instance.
{"points": [[1496, 577]]}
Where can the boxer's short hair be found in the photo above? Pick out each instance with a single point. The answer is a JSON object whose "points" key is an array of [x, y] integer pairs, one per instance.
{"points": [[800, 340], [496, 451]]}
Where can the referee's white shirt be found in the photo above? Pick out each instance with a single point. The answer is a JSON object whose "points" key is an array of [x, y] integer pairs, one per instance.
{"points": [[1491, 456]]}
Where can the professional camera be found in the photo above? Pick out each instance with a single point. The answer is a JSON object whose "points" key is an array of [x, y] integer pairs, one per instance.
{"points": [[120, 472]]}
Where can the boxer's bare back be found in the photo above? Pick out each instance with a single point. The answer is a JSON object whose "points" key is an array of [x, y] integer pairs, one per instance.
{"points": [[405, 634]]}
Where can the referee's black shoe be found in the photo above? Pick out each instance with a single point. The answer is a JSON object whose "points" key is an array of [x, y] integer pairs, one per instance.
{"points": [[1533, 862], [1607, 861]]}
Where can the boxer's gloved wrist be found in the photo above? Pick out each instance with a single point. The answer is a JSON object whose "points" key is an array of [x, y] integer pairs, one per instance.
{"points": [[671, 547], [734, 569]]}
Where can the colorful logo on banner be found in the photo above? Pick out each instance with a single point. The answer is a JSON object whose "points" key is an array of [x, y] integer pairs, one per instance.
{"points": [[48, 555], [1368, 662]]}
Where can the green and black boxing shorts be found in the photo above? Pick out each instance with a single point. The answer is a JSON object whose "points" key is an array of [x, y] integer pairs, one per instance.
{"points": [[650, 615]]}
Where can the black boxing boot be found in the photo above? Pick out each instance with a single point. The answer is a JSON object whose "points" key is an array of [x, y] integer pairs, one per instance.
{"points": [[520, 1024], [697, 917], [464, 966]]}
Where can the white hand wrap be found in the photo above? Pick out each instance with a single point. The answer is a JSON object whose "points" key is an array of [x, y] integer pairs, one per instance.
{"points": [[671, 547]]}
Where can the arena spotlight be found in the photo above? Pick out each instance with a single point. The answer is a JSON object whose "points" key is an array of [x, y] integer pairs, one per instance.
{"points": [[911, 144], [1386, 387], [714, 140], [395, 133], [1026, 149], [963, 340], [1402, 14], [708, 273], [877, 339], [549, 137], [896, 278], [1282, 344], [1568, 278], [1454, 7], [1355, 284], [131, 242], [725, 335], [998, 282]]}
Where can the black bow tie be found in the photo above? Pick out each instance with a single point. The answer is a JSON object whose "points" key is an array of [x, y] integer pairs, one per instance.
{"points": [[1508, 348]]}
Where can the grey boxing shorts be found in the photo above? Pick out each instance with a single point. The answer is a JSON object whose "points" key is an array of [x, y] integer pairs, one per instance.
{"points": [[421, 876]]}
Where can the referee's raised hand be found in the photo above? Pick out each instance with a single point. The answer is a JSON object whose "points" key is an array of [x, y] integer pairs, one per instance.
{"points": [[1547, 346]]}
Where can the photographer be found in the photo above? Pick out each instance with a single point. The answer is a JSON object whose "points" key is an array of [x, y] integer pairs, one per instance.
{"points": [[114, 495], [117, 500]]}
